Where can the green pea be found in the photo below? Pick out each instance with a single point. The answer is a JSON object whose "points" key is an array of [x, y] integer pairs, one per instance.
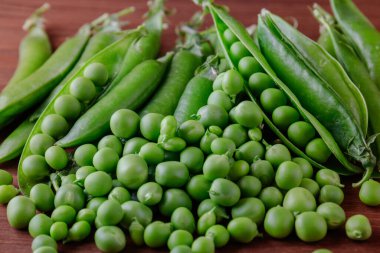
{"points": [[252, 208], [203, 245], [216, 166], [333, 214], [247, 114], [271, 197], [318, 150], [331, 193], [328, 177], [110, 239], [238, 51], [124, 123], [210, 115], [249, 65], [83, 172], [219, 234], [236, 133], [198, 187], [193, 158], [7, 192], [310, 226], [150, 193], [250, 151], [255, 134], [171, 174], [43, 240], [224, 192], [238, 169], [133, 146], [134, 210], [208, 205], [56, 157], [119, 194], [86, 214], [278, 222], [272, 98], [97, 73], [250, 186], [223, 146], [284, 116], [45, 249], [307, 169], [180, 237], [191, 131], [157, 234], [39, 143], [168, 128], [152, 153], [298, 200], [79, 231], [183, 219], [54, 125], [150, 125], [136, 231], [205, 143], [258, 82], [40, 225], [68, 107], [242, 229], [68, 179], [43, 197], [59, 230], [216, 130], [109, 213], [94, 203], [310, 185], [172, 199], [35, 167], [288, 175], [174, 144], [263, 170], [277, 154], [83, 89], [5, 177], [369, 193], [111, 141], [64, 213], [132, 171], [206, 221], [98, 184], [106, 159], [358, 228], [221, 99], [84, 154], [301, 133], [229, 37], [217, 84]]}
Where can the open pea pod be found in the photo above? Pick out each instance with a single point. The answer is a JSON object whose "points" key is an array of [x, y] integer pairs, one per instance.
{"points": [[110, 58], [222, 21]]}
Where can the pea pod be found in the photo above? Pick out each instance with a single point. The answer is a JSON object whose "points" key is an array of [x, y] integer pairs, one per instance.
{"points": [[111, 58]]}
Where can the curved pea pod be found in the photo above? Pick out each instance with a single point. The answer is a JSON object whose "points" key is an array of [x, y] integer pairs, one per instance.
{"points": [[111, 57], [362, 33], [133, 90], [223, 20]]}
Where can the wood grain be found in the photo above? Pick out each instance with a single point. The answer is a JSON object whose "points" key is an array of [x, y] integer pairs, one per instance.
{"points": [[65, 17]]}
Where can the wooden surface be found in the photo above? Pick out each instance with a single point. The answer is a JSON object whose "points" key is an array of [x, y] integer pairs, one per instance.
{"points": [[63, 20]]}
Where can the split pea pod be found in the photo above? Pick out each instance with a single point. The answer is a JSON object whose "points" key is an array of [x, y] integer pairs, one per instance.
{"points": [[66, 107]]}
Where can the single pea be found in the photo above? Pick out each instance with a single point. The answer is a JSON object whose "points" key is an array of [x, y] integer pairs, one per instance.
{"points": [[202, 245], [358, 228], [255, 134], [215, 130], [193, 158], [272, 98], [277, 154], [250, 186], [94, 203], [59, 230], [132, 171], [97, 73], [217, 84], [279, 222], [40, 225], [247, 114], [7, 192], [54, 125], [208, 205], [263, 170], [171, 174], [205, 143], [136, 232], [35, 167], [124, 123], [5, 177], [83, 172], [236, 133], [219, 234], [56, 157], [229, 37], [68, 107], [252, 208], [111, 141], [183, 219], [106, 159], [249, 65], [198, 187], [310, 185], [283, 116], [45, 249], [216, 166], [68, 179], [271, 197], [238, 51], [221, 99], [133, 146], [310, 226], [150, 193], [318, 150], [84, 154], [174, 144], [369, 193], [223, 146], [180, 237], [150, 125], [64, 213], [79, 231], [83, 89], [206, 221], [157, 234], [152, 153], [119, 194], [328, 177], [331, 193], [110, 213], [250, 151], [307, 169], [242, 229], [333, 214], [298, 200], [301, 133], [110, 239], [191, 131], [258, 82], [168, 128], [172, 199], [224, 192], [43, 240], [136, 211], [98, 184], [210, 115], [39, 143], [288, 175], [238, 170], [86, 214], [43, 197]]}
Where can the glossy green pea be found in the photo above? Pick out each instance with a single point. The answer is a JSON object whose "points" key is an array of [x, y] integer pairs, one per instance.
{"points": [[310, 226], [284, 116], [210, 115], [229, 37], [39, 143], [94, 203], [109, 213], [221, 99], [171, 174], [307, 169], [64, 213], [193, 158], [150, 125], [98, 184], [328, 177], [86, 214], [132, 171], [45, 249], [183, 219], [238, 169], [298, 200], [247, 114], [5, 177], [59, 230], [216, 130], [310, 185], [180, 237], [110, 239], [279, 222], [369, 193], [134, 210], [224, 192], [238, 51], [333, 214], [217, 84], [205, 143], [68, 107], [358, 228], [124, 123], [83, 89], [252, 208], [40, 225], [288, 175], [272, 98], [301, 133], [172, 199], [136, 231], [83, 172], [43, 197], [54, 125], [133, 146], [263, 170], [84, 154], [206, 221], [203, 245], [191, 131], [242, 229], [97, 73], [111, 141], [232, 83], [250, 151], [157, 234], [198, 187], [79, 231], [106, 159], [223, 146], [150, 193], [249, 65], [331, 193], [216, 166], [255, 134], [174, 144], [56, 157], [236, 133], [250, 186], [318, 150], [43, 240], [258, 82], [277, 154], [7, 192], [35, 167], [271, 197], [119, 194], [219, 234], [152, 153], [208, 205]]}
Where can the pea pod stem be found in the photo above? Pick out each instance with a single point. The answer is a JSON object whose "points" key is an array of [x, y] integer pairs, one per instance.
{"points": [[36, 18]]}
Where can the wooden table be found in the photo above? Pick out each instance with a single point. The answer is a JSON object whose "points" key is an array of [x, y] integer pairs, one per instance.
{"points": [[63, 20]]}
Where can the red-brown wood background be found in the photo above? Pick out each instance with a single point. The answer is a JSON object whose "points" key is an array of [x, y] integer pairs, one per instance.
{"points": [[63, 20]]}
